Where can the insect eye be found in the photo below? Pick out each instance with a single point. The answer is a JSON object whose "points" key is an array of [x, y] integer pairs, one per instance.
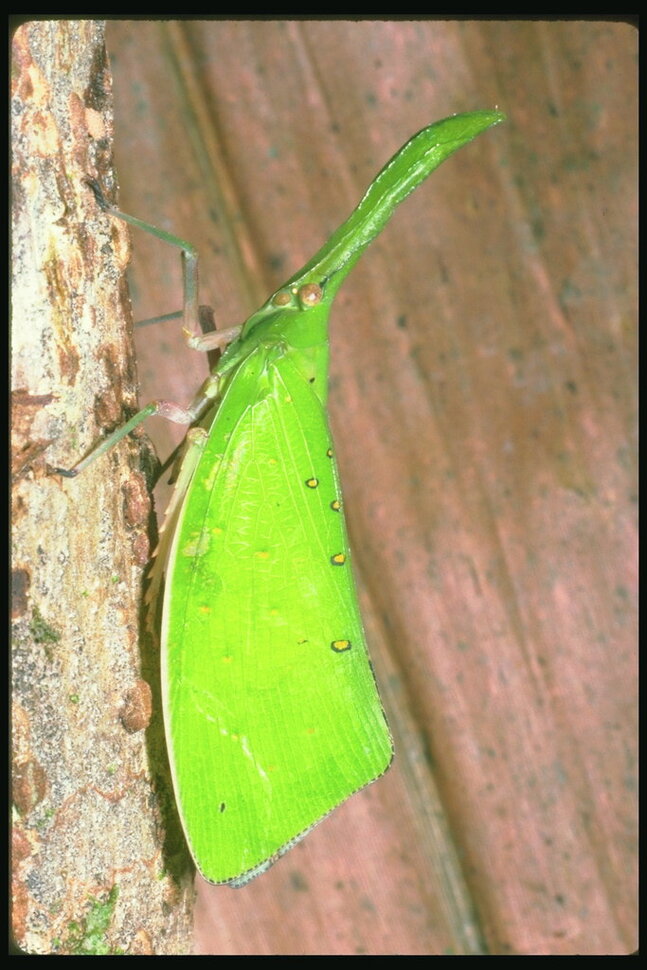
{"points": [[310, 294]]}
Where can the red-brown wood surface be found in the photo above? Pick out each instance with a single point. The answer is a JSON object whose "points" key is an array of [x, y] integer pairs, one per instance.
{"points": [[483, 404]]}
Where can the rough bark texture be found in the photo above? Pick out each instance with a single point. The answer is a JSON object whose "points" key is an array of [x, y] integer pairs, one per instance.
{"points": [[94, 869], [483, 404]]}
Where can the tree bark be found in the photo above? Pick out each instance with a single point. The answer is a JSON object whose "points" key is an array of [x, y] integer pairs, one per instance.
{"points": [[98, 864]]}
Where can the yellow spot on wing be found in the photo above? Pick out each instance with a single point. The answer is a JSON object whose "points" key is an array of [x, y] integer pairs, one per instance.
{"points": [[340, 645]]}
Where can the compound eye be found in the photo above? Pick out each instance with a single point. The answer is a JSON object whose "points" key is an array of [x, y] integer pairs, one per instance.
{"points": [[310, 294]]}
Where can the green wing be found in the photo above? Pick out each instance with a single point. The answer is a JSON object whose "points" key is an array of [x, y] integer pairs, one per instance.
{"points": [[271, 709], [273, 716]]}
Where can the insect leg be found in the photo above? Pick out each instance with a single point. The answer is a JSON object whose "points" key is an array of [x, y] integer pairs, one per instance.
{"points": [[190, 313], [165, 409], [215, 340]]}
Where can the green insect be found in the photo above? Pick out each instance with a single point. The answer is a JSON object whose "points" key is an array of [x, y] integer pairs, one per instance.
{"points": [[271, 709]]}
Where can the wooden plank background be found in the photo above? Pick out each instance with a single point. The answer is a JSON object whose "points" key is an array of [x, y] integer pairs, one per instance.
{"points": [[483, 405]]}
